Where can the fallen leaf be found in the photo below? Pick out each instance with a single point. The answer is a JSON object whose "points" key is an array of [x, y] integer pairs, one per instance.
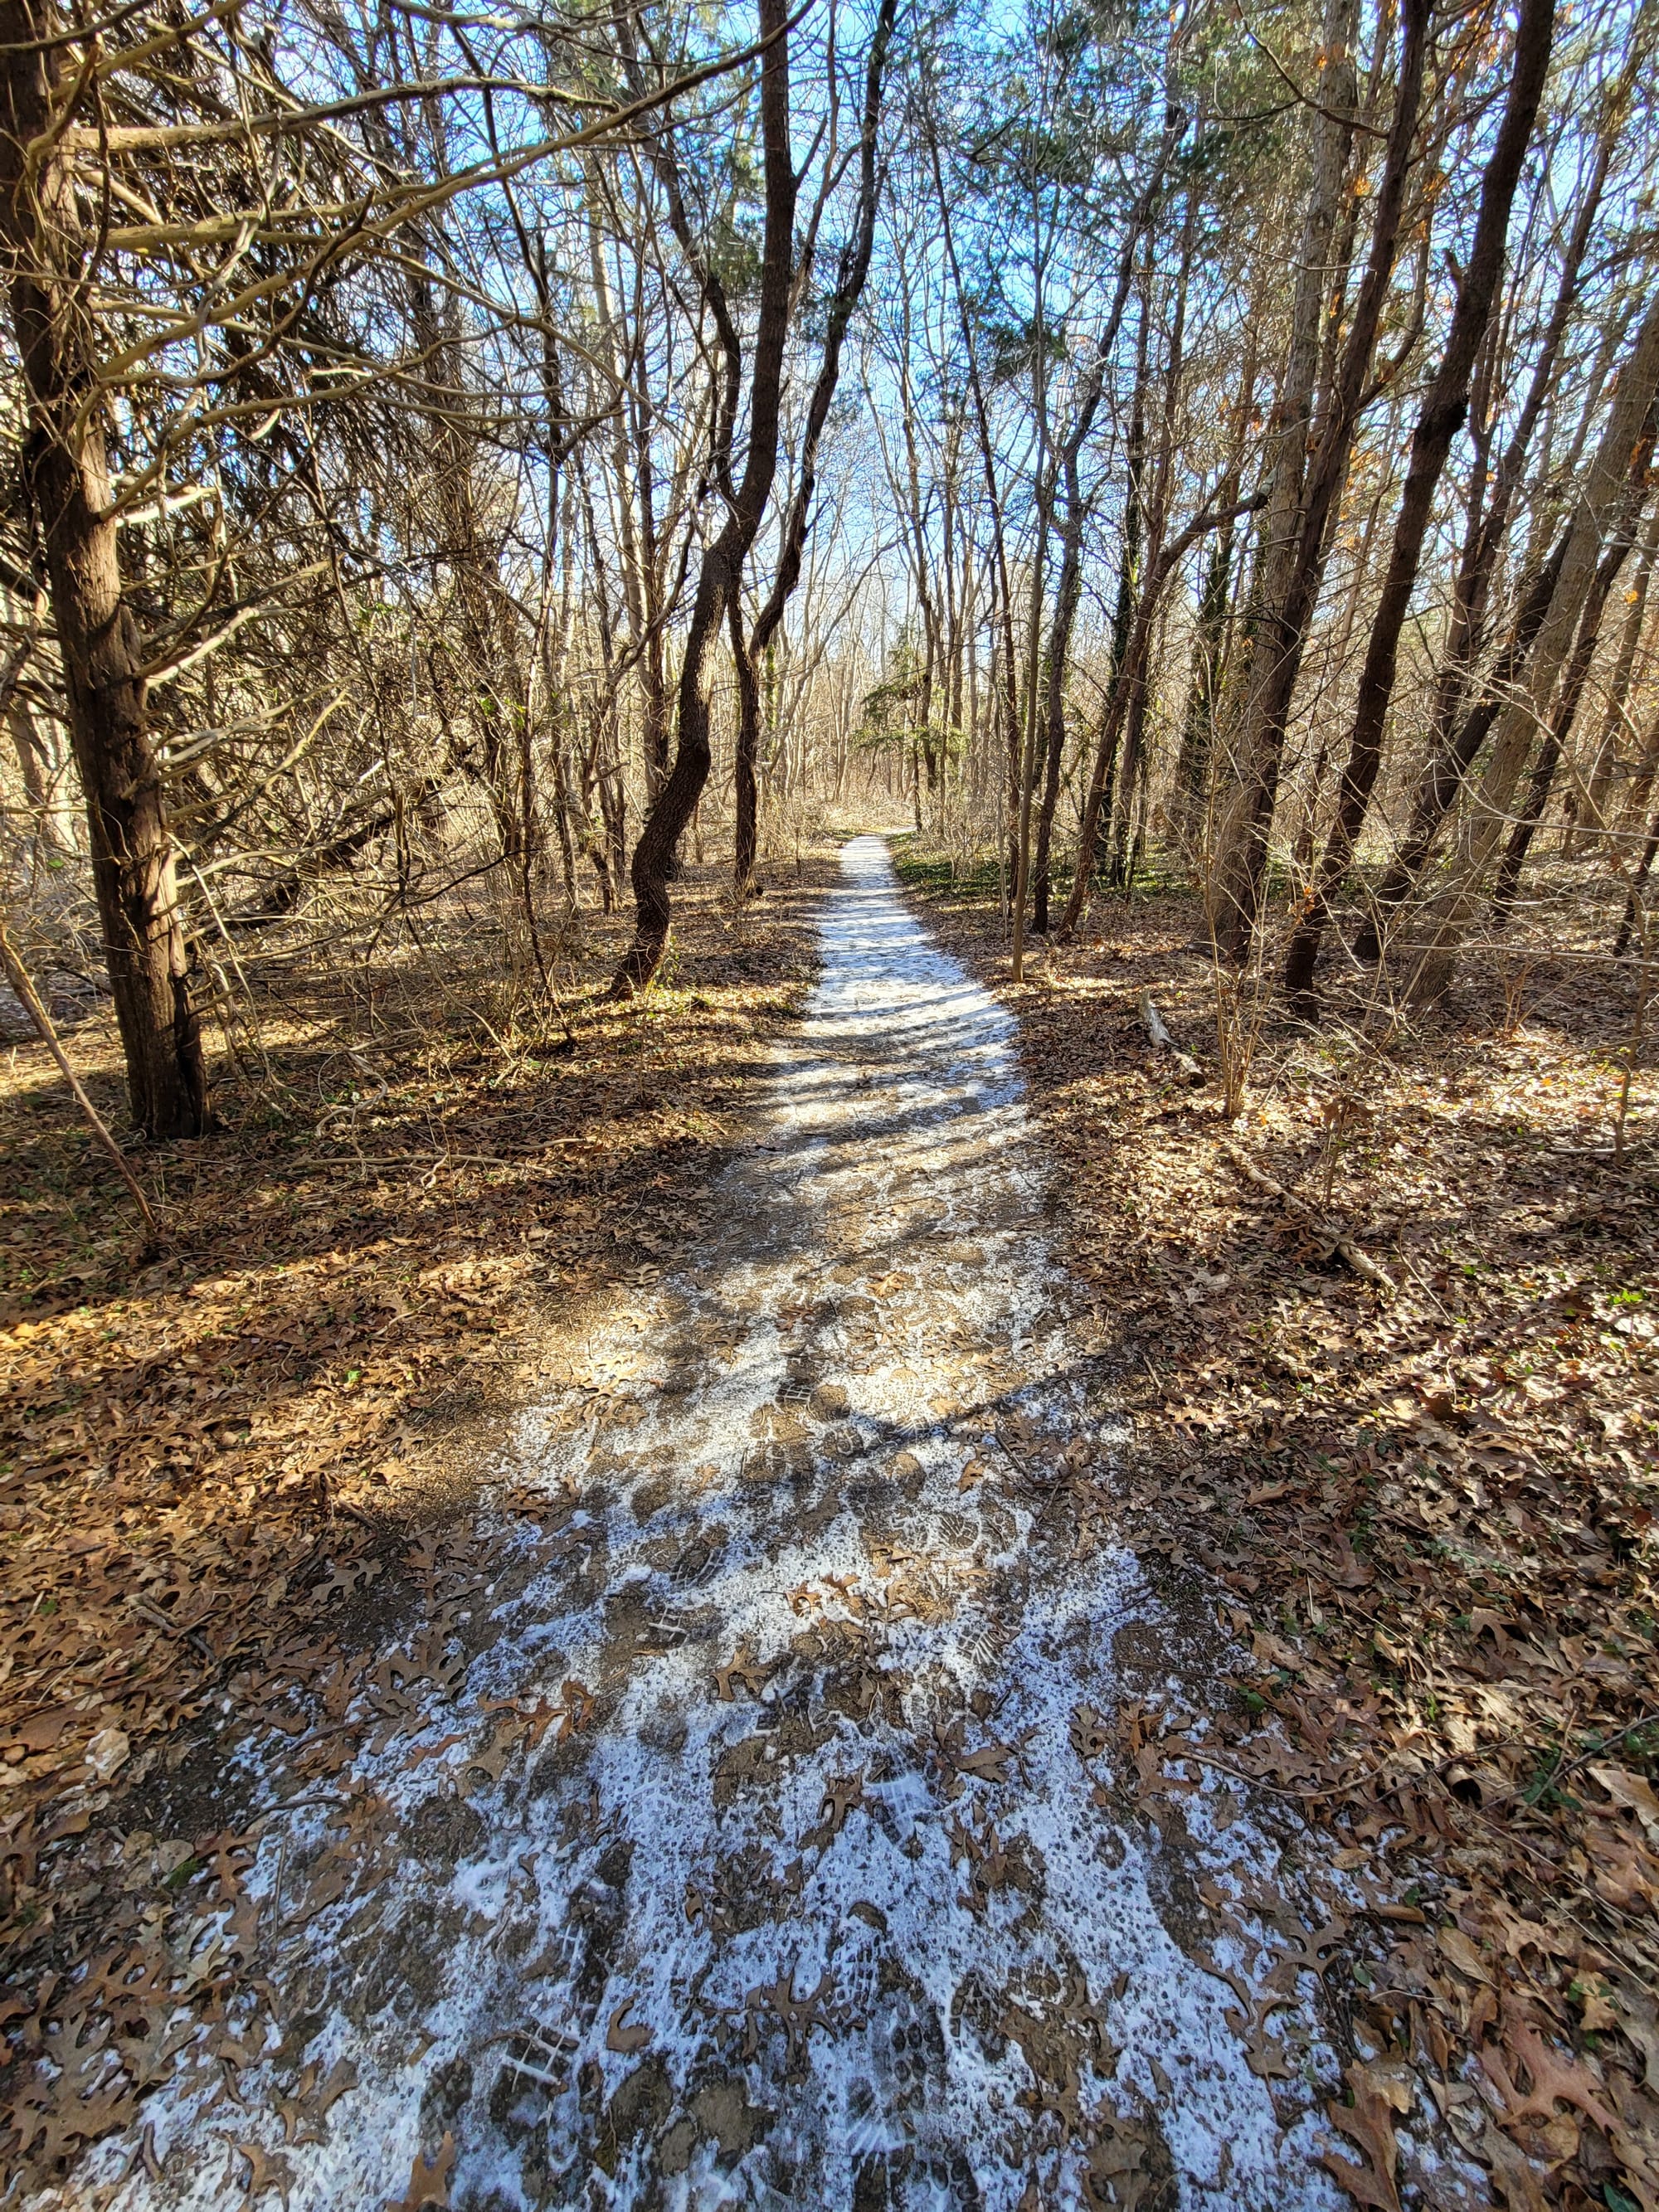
{"points": [[266, 2170], [1516, 2176], [1456, 1946], [1379, 2092], [428, 2179], [1631, 1791], [107, 1752], [627, 2040]]}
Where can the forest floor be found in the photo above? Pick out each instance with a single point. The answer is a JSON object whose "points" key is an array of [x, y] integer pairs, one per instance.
{"points": [[213, 1460], [1427, 1507], [569, 1639]]}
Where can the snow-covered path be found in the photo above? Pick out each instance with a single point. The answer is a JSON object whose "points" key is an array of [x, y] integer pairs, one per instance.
{"points": [[785, 1850]]}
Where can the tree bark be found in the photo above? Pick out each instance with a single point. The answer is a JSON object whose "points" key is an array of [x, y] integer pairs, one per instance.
{"points": [[1572, 690], [1215, 599], [67, 479], [1068, 591], [1285, 628], [1442, 417], [1131, 673], [1001, 593], [1133, 775], [1450, 762], [745, 787], [1633, 896], [1605, 768]]}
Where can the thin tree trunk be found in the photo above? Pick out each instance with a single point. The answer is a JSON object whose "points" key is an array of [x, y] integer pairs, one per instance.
{"points": [[1603, 493], [1448, 761], [1573, 688], [1131, 673], [745, 788], [1204, 689], [1604, 764], [1633, 896], [1069, 588], [1442, 415], [723, 559], [855, 268], [1001, 593], [1285, 627], [1135, 779], [1331, 133], [1043, 489]]}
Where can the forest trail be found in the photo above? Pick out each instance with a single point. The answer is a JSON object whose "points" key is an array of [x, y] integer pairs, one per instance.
{"points": [[799, 1861]]}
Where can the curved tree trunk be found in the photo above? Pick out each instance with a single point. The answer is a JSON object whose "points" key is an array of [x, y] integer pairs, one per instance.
{"points": [[723, 559]]}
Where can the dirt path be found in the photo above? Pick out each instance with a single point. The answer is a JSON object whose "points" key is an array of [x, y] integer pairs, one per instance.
{"points": [[798, 1861]]}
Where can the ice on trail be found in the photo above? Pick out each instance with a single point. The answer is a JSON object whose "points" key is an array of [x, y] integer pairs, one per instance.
{"points": [[838, 1892]]}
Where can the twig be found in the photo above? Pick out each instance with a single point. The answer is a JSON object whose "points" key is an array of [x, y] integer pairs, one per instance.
{"points": [[1601, 1750], [19, 978], [1358, 1261], [1152, 1022], [1275, 1789]]}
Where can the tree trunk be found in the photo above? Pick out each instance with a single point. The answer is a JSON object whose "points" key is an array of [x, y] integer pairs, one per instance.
{"points": [[1001, 593], [1442, 418], [1605, 766], [1603, 495], [1285, 628], [853, 268], [1131, 673], [1043, 493], [1572, 689], [723, 559], [1331, 134], [1134, 775], [1209, 654], [1070, 586], [1067, 595], [745, 784], [68, 478], [1633, 896], [1448, 761]]}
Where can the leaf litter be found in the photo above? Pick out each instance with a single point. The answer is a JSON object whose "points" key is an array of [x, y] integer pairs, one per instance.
{"points": [[1427, 1516], [893, 1924]]}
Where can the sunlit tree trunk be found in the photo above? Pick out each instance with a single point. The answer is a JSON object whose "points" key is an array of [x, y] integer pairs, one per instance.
{"points": [[1512, 742], [1443, 411], [68, 480]]}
